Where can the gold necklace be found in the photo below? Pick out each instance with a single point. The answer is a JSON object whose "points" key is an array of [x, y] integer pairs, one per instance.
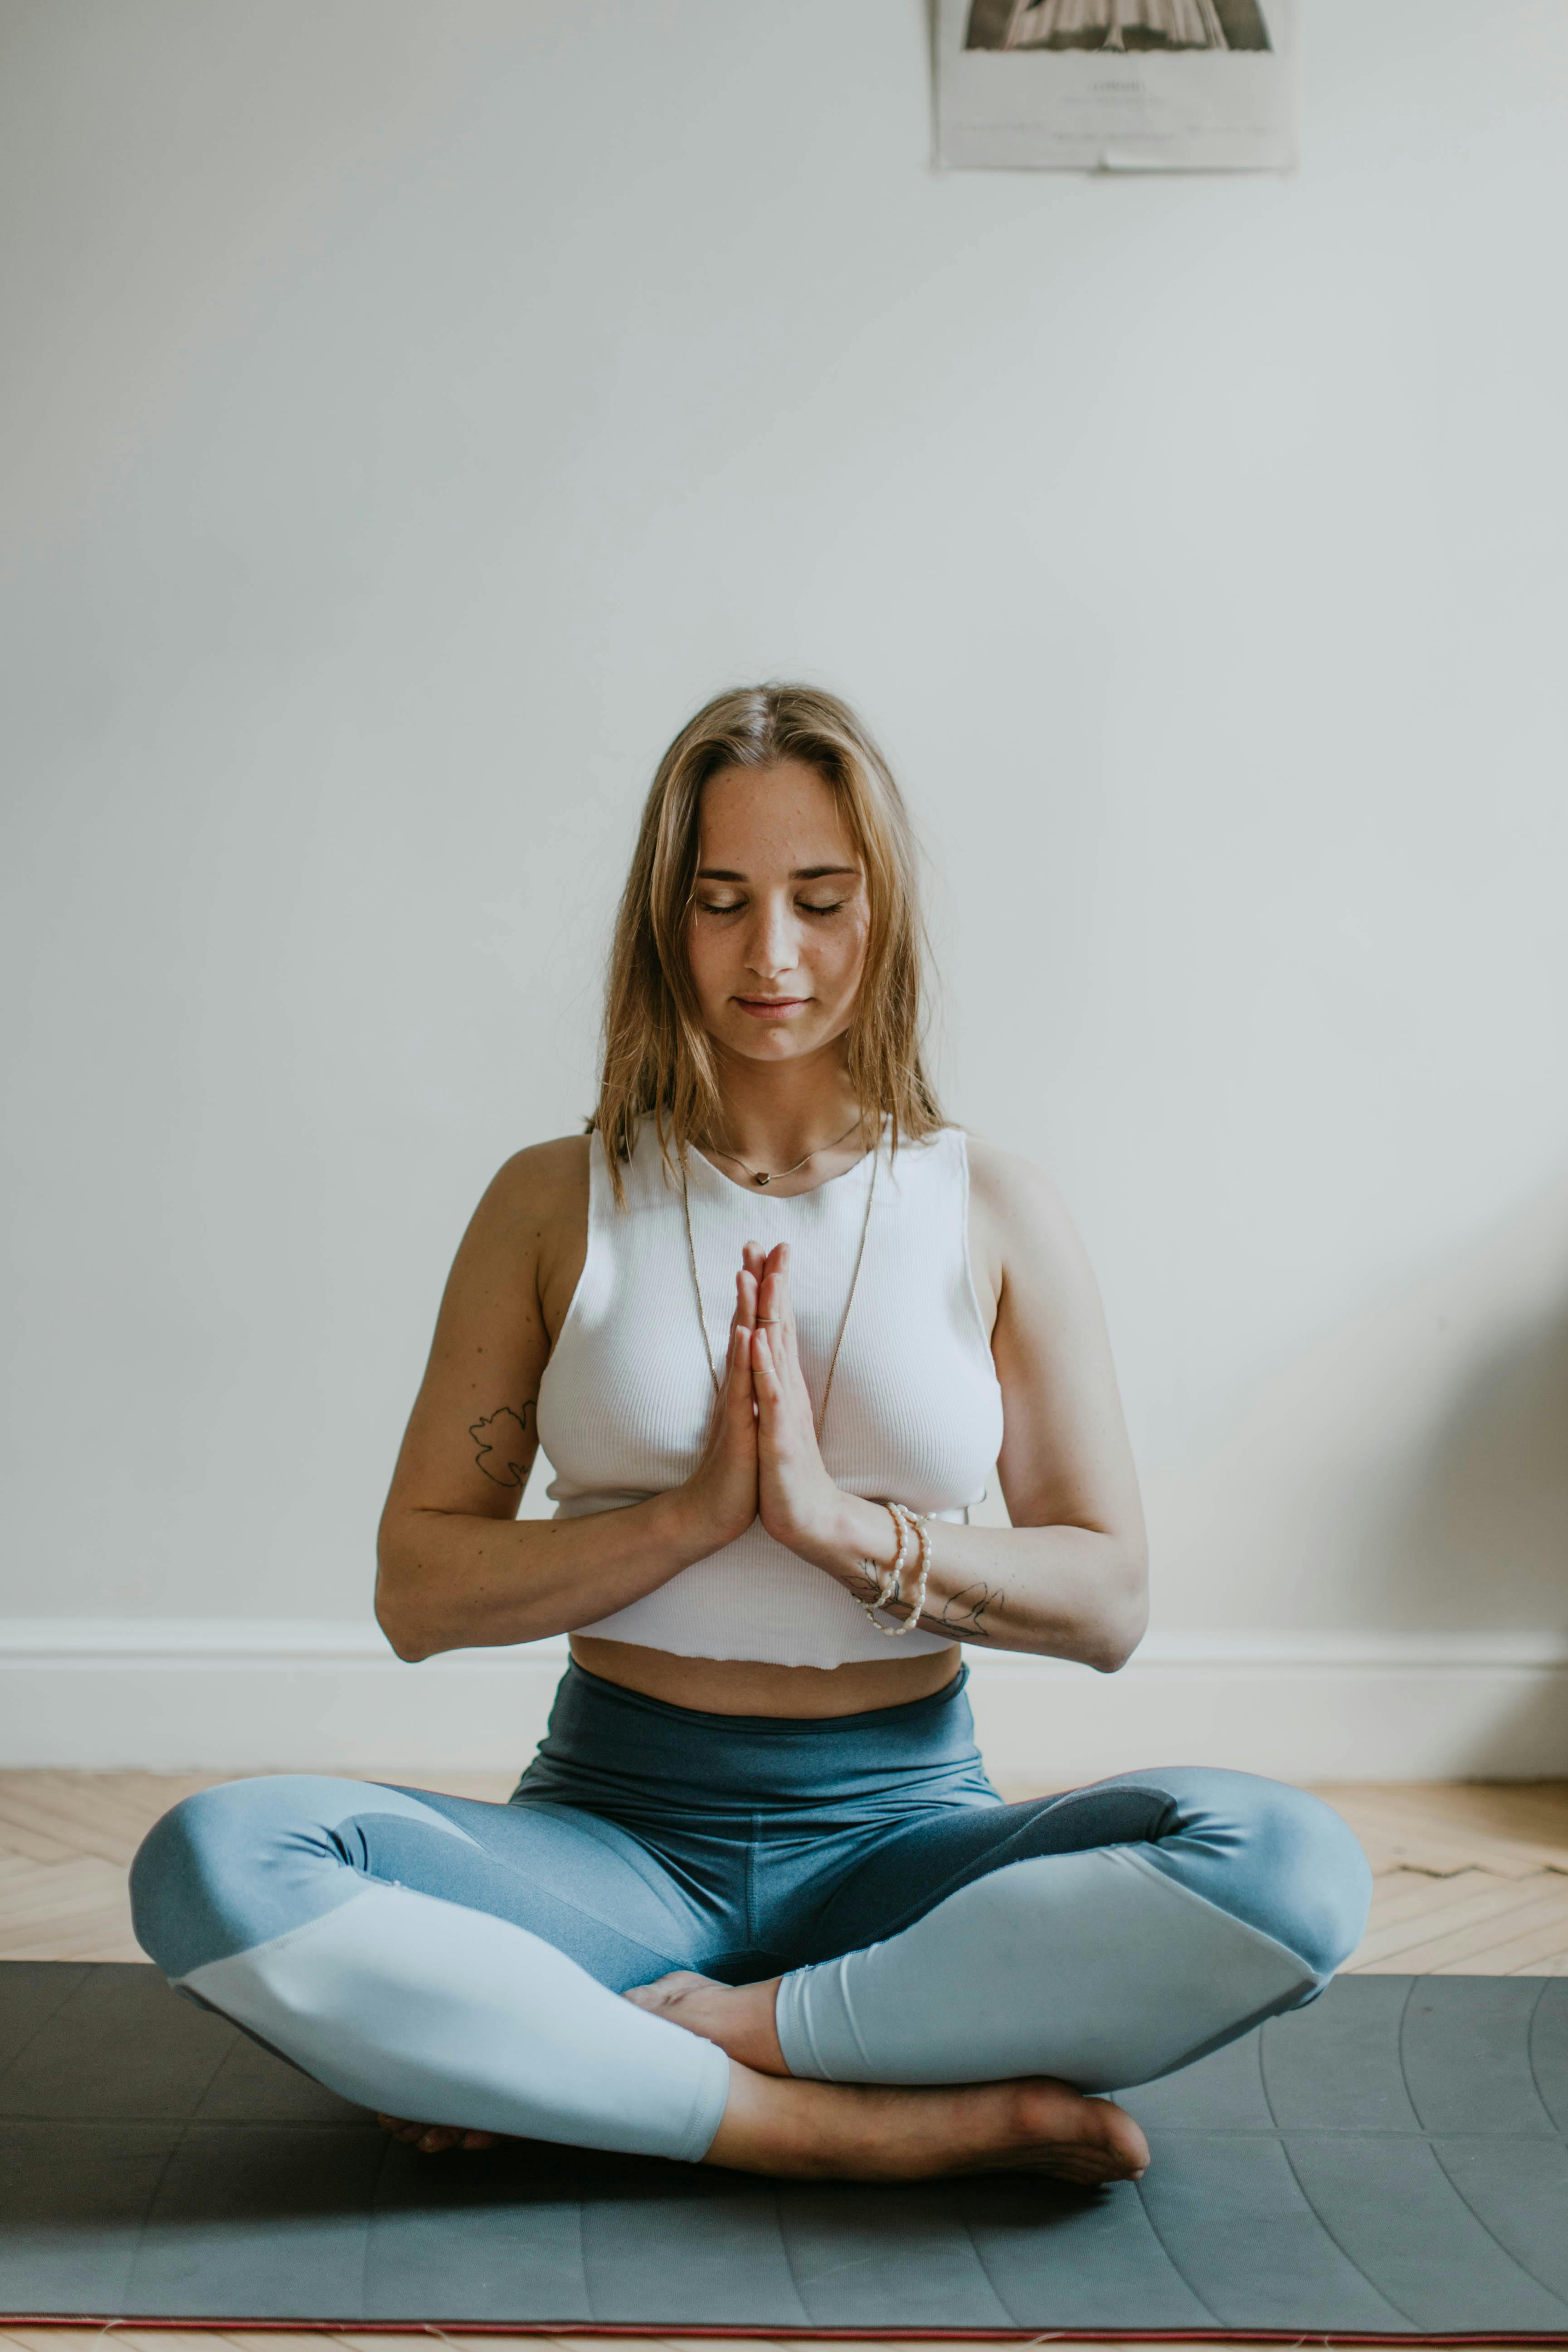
{"points": [[854, 1285], [770, 1176]]}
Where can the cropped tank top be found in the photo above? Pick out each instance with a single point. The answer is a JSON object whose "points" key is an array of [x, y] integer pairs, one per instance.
{"points": [[626, 1402]]}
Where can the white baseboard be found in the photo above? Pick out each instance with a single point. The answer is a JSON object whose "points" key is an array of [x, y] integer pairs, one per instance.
{"points": [[232, 1695]]}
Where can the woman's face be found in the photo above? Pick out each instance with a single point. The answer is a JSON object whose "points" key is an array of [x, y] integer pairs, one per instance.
{"points": [[776, 938]]}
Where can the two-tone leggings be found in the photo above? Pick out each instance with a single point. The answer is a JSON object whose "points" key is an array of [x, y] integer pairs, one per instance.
{"points": [[461, 1963]]}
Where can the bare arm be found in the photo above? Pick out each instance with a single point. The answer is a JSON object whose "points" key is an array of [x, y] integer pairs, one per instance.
{"points": [[455, 1568], [1067, 1579]]}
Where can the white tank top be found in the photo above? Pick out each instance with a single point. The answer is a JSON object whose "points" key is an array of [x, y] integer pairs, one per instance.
{"points": [[626, 1400]]}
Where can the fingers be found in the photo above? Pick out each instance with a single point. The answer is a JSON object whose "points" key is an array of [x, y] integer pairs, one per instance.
{"points": [[744, 1315], [737, 1374], [767, 1372], [774, 1353], [774, 1303], [775, 1313], [737, 1392], [737, 1370], [755, 1262]]}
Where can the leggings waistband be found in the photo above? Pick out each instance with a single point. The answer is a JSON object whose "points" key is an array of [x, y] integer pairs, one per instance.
{"points": [[611, 1747]]}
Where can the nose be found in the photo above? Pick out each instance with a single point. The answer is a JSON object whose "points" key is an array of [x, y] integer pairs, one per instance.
{"points": [[772, 947]]}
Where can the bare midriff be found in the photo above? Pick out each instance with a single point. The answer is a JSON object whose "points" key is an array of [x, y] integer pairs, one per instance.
{"points": [[748, 1686]]}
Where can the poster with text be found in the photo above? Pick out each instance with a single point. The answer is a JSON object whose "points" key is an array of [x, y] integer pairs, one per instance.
{"points": [[1116, 85]]}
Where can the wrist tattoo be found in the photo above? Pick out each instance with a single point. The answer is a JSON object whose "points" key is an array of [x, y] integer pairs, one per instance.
{"points": [[963, 1611], [506, 1446]]}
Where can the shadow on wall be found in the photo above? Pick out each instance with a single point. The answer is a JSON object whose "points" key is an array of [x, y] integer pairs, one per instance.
{"points": [[1484, 1537], [1483, 1541], [1407, 1473]]}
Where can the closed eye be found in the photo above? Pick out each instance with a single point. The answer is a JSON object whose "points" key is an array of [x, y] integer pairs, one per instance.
{"points": [[734, 905]]}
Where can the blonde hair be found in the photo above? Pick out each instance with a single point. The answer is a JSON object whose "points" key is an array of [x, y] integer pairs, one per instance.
{"points": [[657, 1058]]}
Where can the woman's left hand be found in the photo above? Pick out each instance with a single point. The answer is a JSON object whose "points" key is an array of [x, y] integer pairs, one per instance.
{"points": [[797, 1502]]}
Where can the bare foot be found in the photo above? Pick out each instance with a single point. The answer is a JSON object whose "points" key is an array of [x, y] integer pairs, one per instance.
{"points": [[862, 2131], [739, 2018], [855, 2131], [885, 2132], [434, 2139]]}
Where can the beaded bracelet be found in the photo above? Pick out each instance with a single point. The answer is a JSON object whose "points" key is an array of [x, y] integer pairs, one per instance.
{"points": [[889, 1581], [917, 1606]]}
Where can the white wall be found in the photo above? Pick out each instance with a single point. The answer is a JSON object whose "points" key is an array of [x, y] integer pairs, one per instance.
{"points": [[413, 411]]}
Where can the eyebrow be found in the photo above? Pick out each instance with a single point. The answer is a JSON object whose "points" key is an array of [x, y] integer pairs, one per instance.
{"points": [[801, 873]]}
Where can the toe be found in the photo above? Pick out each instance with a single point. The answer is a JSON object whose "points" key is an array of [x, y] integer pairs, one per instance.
{"points": [[1124, 2142], [663, 1991], [1079, 2138]]}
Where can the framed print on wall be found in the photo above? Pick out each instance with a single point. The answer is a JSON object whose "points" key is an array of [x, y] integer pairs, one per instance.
{"points": [[1116, 85]]}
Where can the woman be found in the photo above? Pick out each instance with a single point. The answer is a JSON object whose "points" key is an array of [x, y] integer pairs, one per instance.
{"points": [[775, 1323]]}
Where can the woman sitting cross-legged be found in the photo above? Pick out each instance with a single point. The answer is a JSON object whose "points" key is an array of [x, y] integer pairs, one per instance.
{"points": [[755, 1903]]}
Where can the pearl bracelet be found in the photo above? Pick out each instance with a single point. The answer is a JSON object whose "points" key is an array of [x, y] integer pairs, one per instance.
{"points": [[889, 1581]]}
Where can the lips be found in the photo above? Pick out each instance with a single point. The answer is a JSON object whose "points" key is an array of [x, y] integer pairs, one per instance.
{"points": [[770, 1008]]}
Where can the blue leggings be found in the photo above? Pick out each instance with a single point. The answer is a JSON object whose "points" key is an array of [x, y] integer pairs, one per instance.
{"points": [[459, 1963]]}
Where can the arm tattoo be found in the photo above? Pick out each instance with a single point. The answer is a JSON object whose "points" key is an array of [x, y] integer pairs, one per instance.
{"points": [[963, 1611], [505, 1445]]}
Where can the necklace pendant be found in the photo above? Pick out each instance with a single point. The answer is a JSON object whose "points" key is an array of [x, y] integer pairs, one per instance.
{"points": [[762, 1180]]}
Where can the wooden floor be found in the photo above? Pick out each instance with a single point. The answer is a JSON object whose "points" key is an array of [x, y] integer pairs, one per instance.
{"points": [[1472, 1879]]}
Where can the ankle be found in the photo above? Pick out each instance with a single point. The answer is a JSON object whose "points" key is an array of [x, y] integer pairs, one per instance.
{"points": [[755, 2035], [739, 2019]]}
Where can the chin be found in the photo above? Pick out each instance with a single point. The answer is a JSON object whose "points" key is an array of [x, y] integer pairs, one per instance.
{"points": [[771, 1045], [760, 1043]]}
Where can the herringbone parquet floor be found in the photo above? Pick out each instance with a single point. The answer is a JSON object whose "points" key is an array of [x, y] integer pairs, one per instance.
{"points": [[1471, 1880], [1472, 1877]]}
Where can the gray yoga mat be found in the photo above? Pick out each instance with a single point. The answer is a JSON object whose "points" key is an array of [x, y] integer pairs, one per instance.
{"points": [[1389, 2161]]}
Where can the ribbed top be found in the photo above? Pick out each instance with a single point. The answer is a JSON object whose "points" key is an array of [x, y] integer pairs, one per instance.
{"points": [[915, 1415]]}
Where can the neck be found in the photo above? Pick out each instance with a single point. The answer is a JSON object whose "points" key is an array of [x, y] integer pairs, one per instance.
{"points": [[774, 1116]]}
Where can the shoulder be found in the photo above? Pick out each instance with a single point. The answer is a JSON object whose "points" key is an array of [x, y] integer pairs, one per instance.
{"points": [[1008, 1186], [538, 1191], [1018, 1218], [531, 1227]]}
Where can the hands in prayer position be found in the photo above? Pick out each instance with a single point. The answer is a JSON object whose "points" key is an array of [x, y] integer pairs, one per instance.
{"points": [[762, 1460]]}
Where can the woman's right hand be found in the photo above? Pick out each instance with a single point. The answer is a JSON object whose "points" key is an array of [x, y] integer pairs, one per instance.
{"points": [[721, 1492]]}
